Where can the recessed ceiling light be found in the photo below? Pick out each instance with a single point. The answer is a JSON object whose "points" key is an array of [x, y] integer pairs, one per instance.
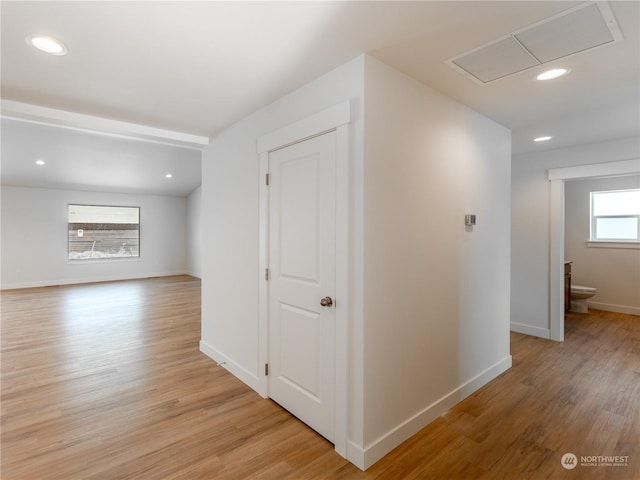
{"points": [[40, 162], [542, 139], [168, 175], [553, 73], [47, 44]]}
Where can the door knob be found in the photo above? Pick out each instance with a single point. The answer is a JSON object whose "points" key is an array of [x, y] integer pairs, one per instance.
{"points": [[326, 302]]}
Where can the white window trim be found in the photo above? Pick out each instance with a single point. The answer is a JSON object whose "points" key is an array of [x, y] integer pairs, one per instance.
{"points": [[593, 221], [632, 244], [81, 261], [104, 260]]}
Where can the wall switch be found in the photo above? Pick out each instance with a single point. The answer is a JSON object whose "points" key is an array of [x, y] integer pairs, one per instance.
{"points": [[469, 220]]}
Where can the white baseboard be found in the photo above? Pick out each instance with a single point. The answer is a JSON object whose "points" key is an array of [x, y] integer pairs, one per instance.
{"points": [[364, 458], [529, 330], [78, 281], [356, 455], [237, 370], [607, 307]]}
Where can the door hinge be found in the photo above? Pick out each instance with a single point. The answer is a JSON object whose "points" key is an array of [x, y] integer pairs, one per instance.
{"points": [[266, 369], [267, 179], [266, 274]]}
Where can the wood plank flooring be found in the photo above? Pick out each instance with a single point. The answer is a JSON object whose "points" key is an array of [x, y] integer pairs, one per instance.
{"points": [[105, 381]]}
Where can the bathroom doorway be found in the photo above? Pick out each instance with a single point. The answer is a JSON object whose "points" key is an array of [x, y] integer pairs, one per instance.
{"points": [[603, 250], [557, 178]]}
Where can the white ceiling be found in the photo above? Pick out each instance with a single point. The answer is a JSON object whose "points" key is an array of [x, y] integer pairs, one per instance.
{"points": [[197, 67], [81, 160]]}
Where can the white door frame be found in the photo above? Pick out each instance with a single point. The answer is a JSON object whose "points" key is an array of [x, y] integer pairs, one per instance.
{"points": [[557, 177], [336, 119]]}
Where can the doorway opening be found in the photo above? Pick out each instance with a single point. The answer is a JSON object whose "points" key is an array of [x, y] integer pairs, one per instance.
{"points": [[557, 178], [334, 119]]}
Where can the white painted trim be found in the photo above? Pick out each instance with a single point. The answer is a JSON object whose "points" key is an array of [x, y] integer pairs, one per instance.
{"points": [[334, 118], [356, 455], [363, 459], [557, 177], [530, 330], [104, 126], [607, 307], [610, 169], [614, 244], [234, 368], [263, 264], [104, 261], [317, 124], [556, 262], [98, 279], [341, 406]]}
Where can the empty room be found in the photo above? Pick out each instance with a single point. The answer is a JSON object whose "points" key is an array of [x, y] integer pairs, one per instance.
{"points": [[320, 240]]}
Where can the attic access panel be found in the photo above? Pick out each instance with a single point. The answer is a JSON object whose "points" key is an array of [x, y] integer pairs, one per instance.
{"points": [[576, 30], [497, 60]]}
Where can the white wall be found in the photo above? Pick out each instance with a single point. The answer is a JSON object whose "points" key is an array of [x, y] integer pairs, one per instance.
{"points": [[230, 227], [34, 238], [530, 225], [615, 272], [194, 235], [429, 299], [436, 294]]}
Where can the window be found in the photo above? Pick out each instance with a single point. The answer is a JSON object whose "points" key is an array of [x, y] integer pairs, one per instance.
{"points": [[615, 216], [103, 232]]}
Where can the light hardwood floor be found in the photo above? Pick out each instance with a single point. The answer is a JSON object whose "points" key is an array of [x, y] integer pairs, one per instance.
{"points": [[105, 381]]}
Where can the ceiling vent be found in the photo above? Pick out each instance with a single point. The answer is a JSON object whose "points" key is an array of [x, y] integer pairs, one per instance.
{"points": [[582, 28]]}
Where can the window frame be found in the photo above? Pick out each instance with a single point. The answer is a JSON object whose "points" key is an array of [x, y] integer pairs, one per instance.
{"points": [[594, 240], [110, 259]]}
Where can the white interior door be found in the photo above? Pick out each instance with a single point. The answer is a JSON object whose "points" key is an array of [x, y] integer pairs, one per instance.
{"points": [[302, 275]]}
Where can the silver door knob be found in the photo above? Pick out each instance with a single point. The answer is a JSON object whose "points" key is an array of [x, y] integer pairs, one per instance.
{"points": [[326, 302]]}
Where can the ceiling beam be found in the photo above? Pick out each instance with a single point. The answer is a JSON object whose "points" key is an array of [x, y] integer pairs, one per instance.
{"points": [[104, 126]]}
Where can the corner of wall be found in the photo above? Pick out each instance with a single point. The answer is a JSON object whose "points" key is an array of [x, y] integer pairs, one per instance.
{"points": [[420, 147], [249, 378], [530, 330], [385, 444]]}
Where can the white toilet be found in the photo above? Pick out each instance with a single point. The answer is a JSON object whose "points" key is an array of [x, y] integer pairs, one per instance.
{"points": [[579, 296]]}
